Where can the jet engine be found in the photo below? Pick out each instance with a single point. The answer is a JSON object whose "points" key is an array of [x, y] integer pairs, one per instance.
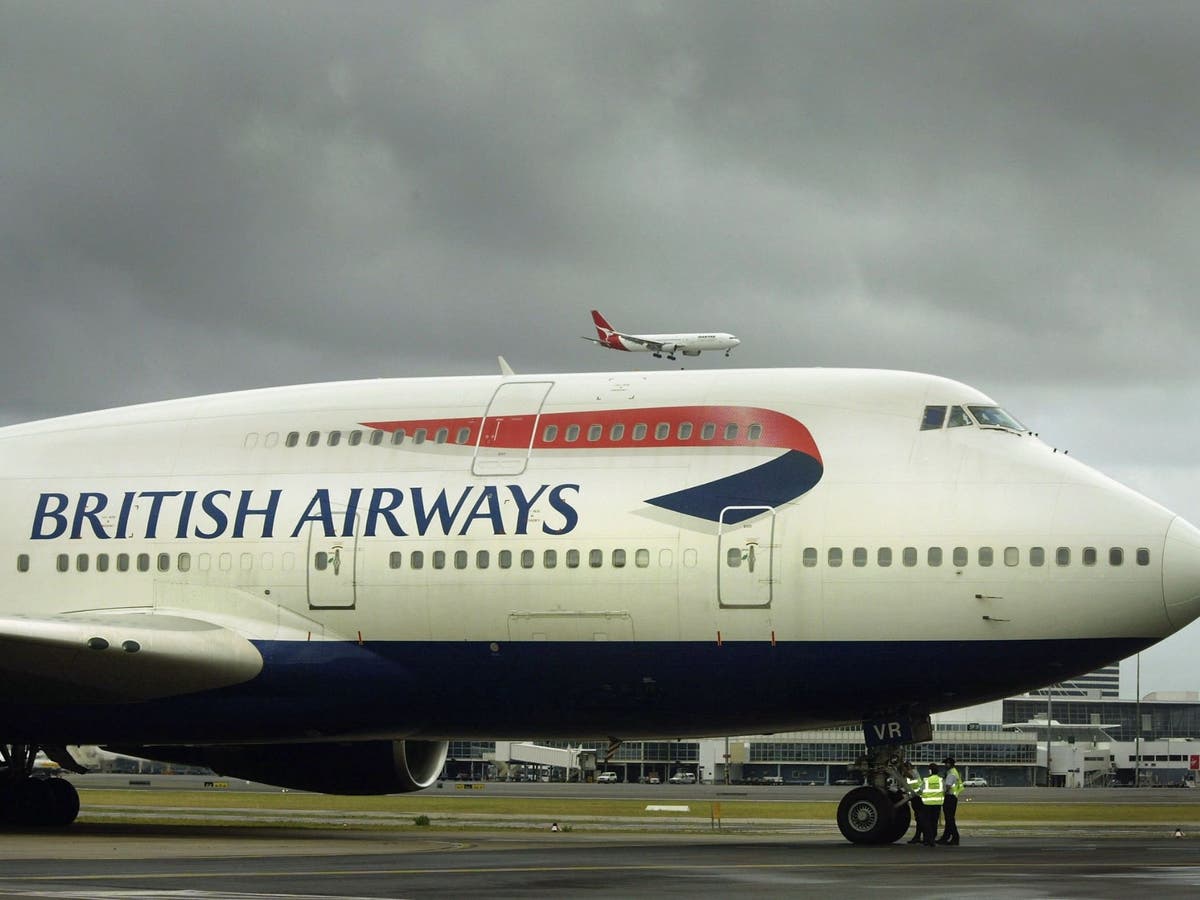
{"points": [[360, 767]]}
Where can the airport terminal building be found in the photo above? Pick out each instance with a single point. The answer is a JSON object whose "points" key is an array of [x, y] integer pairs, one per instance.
{"points": [[1082, 732]]}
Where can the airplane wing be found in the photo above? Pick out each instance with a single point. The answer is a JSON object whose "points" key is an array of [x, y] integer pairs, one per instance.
{"points": [[656, 346], [103, 657]]}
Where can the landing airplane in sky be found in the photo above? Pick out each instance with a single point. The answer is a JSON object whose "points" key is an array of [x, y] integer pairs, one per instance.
{"points": [[320, 586], [658, 344]]}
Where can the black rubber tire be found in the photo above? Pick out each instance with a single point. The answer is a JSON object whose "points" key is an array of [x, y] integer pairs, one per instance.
{"points": [[901, 819], [865, 816]]}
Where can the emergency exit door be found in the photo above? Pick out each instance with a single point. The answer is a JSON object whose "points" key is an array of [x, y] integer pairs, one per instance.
{"points": [[508, 428], [746, 557], [332, 566]]}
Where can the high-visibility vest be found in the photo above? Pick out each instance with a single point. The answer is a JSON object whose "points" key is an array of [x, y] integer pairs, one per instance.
{"points": [[931, 791], [915, 784], [957, 787]]}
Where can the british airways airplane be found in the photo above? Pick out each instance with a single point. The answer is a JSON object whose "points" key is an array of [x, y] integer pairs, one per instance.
{"points": [[658, 344], [319, 586]]}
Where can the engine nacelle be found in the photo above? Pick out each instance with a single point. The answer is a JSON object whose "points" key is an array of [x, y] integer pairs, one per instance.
{"points": [[359, 767]]}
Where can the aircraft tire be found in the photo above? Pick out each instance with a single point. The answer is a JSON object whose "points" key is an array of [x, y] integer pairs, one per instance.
{"points": [[865, 817], [40, 802], [901, 819]]}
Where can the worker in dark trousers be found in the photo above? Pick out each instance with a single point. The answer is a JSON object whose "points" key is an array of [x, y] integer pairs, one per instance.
{"points": [[933, 795], [953, 787], [913, 782]]}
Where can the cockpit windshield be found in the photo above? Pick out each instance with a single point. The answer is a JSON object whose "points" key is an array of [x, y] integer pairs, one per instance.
{"points": [[995, 417]]}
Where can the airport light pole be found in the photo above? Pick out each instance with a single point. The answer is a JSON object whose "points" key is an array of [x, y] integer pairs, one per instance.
{"points": [[1137, 725], [1049, 728]]}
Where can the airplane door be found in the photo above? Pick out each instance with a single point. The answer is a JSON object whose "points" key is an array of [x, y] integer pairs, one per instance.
{"points": [[746, 554], [506, 434], [332, 567]]}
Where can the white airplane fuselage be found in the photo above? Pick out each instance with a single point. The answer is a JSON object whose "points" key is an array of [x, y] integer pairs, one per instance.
{"points": [[524, 560]]}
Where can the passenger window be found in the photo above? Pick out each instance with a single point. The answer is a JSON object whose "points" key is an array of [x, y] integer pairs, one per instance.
{"points": [[416, 559], [164, 562], [733, 557], [550, 559], [321, 561], [859, 557], [271, 440], [224, 561], [960, 557], [708, 432], [102, 562], [463, 435], [1037, 556], [618, 559], [572, 434], [986, 556], [439, 559], [334, 438], [268, 561], [23, 562], [1143, 556], [460, 559], [835, 557], [1012, 556], [1116, 556], [662, 431], [1089, 556], [1062, 556], [754, 432], [810, 557], [731, 431], [504, 559], [482, 559], [958, 418], [398, 436], [122, 562], [81, 562], [572, 559], [143, 562], [639, 432], [314, 438], [549, 435], [594, 432], [616, 432], [184, 562], [376, 438], [596, 558], [883, 557], [933, 419], [292, 439], [641, 558], [909, 557], [934, 556], [395, 558], [62, 562], [246, 560], [354, 438], [685, 431], [442, 435], [526, 559], [419, 435]]}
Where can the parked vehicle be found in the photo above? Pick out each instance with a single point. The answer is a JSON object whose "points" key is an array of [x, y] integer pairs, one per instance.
{"points": [[607, 777], [975, 782], [683, 778]]}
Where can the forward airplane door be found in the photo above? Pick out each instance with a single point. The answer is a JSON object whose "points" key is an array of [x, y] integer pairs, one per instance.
{"points": [[508, 428], [746, 557], [332, 567]]}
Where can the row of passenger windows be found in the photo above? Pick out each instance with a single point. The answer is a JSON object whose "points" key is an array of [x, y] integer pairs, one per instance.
{"points": [[959, 556], [550, 434], [417, 559]]}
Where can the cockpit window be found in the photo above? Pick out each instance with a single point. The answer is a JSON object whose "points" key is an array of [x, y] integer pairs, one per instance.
{"points": [[958, 418], [995, 417], [934, 417]]}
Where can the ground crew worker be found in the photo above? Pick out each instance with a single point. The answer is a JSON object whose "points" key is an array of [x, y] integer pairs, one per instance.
{"points": [[933, 795], [913, 782], [953, 787]]}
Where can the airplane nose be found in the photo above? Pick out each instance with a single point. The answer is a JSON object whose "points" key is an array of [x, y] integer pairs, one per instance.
{"points": [[1181, 572]]}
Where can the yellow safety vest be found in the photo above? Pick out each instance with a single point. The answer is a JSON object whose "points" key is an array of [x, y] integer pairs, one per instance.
{"points": [[914, 785], [957, 787], [932, 791]]}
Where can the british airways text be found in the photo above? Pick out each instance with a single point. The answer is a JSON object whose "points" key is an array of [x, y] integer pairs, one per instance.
{"points": [[254, 514]]}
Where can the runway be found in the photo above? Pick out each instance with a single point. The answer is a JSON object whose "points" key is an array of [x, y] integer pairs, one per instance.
{"points": [[200, 863]]}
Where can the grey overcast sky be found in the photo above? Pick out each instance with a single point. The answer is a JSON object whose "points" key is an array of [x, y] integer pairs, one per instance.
{"points": [[199, 197]]}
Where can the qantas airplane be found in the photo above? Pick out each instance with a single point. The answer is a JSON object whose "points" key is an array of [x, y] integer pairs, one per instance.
{"points": [[319, 586], [658, 344]]}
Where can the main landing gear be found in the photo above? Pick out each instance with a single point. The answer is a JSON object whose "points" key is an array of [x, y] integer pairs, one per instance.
{"points": [[27, 798]]}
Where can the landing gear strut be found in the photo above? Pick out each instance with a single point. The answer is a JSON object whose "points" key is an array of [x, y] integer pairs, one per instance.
{"points": [[29, 799]]}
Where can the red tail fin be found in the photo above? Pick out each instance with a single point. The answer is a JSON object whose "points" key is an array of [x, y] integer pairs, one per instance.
{"points": [[601, 324]]}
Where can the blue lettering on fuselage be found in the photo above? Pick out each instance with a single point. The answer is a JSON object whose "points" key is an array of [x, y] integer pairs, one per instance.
{"points": [[253, 514]]}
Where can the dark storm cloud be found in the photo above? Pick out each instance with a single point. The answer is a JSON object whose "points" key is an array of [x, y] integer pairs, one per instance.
{"points": [[207, 196]]}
